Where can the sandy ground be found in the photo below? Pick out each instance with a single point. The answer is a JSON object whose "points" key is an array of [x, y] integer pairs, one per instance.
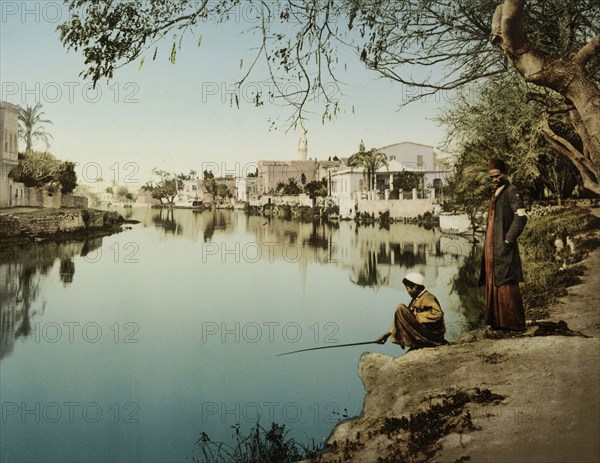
{"points": [[551, 385]]}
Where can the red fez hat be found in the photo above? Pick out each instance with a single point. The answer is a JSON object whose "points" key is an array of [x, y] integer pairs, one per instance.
{"points": [[497, 164]]}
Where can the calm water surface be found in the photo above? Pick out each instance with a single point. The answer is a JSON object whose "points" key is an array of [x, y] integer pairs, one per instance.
{"points": [[125, 348]]}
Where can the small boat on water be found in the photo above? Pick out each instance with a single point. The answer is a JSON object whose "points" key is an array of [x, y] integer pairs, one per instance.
{"points": [[454, 224]]}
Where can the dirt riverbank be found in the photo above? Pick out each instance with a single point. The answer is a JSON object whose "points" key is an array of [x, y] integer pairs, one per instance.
{"points": [[520, 399]]}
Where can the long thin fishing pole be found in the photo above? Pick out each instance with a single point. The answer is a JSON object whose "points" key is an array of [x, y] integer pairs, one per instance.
{"points": [[328, 347]]}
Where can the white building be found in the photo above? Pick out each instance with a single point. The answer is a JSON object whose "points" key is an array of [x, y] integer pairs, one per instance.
{"points": [[245, 186], [349, 186], [419, 159], [190, 194]]}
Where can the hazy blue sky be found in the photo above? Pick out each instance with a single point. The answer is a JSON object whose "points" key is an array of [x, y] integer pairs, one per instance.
{"points": [[178, 117]]}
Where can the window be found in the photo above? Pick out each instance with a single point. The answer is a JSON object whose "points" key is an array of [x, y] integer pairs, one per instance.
{"points": [[392, 158], [419, 160]]}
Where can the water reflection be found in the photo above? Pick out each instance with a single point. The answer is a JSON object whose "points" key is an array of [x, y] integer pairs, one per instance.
{"points": [[465, 285], [194, 272], [165, 219], [22, 273], [369, 276], [67, 270], [373, 256], [216, 220]]}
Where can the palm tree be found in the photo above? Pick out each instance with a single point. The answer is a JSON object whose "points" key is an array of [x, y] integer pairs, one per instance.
{"points": [[31, 126], [370, 161]]}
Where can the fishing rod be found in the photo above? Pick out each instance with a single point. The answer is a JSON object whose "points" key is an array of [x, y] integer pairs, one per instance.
{"points": [[329, 347]]}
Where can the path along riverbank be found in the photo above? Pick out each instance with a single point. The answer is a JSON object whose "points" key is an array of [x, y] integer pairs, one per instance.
{"points": [[520, 399]]}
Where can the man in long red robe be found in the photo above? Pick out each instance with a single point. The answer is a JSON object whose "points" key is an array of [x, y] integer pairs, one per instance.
{"points": [[501, 269]]}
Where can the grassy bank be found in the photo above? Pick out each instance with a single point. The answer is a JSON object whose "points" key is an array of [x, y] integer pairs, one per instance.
{"points": [[260, 445], [549, 270]]}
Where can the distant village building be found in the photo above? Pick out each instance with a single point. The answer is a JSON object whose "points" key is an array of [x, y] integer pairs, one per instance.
{"points": [[402, 157], [420, 159], [272, 173], [106, 198], [352, 193], [11, 193], [190, 194], [144, 198], [246, 186]]}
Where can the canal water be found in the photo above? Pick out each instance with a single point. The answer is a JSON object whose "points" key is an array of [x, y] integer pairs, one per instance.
{"points": [[125, 348]]}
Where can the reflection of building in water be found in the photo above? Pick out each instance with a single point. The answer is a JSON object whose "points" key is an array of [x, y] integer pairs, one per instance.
{"points": [[22, 270], [391, 252], [192, 225], [373, 256]]}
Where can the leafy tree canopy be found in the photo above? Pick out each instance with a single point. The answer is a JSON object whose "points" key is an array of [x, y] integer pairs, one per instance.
{"points": [[428, 46], [123, 194], [208, 180], [491, 122], [406, 181], [223, 190], [316, 188], [43, 170], [163, 186], [289, 188]]}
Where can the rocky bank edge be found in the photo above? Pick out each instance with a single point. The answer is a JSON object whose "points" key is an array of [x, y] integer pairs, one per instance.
{"points": [[41, 224], [549, 409]]}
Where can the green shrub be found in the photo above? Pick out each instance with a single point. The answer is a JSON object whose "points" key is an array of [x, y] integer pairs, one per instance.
{"points": [[545, 277]]}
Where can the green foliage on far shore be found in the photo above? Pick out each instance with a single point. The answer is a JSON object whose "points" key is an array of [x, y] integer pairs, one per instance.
{"points": [[546, 275]]}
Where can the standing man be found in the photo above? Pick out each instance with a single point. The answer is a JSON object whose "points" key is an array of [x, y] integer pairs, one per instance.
{"points": [[421, 324], [501, 270]]}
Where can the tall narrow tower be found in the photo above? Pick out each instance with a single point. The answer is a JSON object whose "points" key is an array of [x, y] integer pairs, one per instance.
{"points": [[302, 144]]}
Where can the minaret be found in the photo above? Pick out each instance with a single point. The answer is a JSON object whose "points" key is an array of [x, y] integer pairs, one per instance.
{"points": [[302, 144]]}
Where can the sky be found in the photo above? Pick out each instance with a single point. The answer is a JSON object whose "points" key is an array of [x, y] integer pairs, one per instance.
{"points": [[178, 117]]}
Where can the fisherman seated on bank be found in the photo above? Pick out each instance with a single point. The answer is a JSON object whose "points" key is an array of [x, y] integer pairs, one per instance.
{"points": [[421, 324]]}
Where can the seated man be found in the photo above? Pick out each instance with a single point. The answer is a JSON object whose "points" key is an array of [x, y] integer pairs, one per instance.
{"points": [[421, 324]]}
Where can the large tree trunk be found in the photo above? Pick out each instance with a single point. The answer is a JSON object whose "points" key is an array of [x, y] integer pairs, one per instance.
{"points": [[567, 76]]}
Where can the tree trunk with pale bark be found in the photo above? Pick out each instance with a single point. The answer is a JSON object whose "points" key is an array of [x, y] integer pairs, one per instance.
{"points": [[566, 76]]}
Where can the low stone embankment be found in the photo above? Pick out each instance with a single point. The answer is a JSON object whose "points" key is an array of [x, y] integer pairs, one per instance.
{"points": [[54, 223]]}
